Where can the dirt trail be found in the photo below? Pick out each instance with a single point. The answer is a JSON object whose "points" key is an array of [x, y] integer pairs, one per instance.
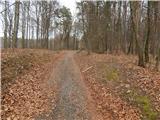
{"points": [[72, 102]]}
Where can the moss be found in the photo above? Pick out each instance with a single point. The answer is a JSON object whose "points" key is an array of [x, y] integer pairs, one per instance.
{"points": [[144, 103], [152, 115], [134, 96], [146, 107], [112, 74]]}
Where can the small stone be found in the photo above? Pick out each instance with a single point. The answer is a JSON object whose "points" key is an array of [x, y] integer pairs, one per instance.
{"points": [[127, 85], [8, 118], [128, 91]]}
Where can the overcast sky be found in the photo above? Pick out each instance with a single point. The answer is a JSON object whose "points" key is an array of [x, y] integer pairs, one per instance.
{"points": [[68, 3]]}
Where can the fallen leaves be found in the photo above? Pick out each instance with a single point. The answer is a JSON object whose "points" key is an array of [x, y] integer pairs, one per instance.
{"points": [[108, 103], [109, 95], [30, 94]]}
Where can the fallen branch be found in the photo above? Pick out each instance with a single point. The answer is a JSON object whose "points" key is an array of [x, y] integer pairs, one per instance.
{"points": [[87, 69]]}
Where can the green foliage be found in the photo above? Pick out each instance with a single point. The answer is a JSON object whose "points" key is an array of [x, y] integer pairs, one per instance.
{"points": [[65, 16], [145, 105], [112, 74], [143, 102]]}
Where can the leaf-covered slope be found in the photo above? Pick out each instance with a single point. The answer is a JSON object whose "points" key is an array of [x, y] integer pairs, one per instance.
{"points": [[26, 77]]}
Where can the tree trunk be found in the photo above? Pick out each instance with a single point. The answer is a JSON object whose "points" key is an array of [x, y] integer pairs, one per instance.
{"points": [[5, 40], [23, 25], [157, 59], [135, 6], [146, 52], [16, 24]]}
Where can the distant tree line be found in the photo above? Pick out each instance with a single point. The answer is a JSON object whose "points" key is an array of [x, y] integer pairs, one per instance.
{"points": [[31, 24]]}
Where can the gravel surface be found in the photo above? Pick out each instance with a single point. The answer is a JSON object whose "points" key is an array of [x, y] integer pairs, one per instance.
{"points": [[71, 97]]}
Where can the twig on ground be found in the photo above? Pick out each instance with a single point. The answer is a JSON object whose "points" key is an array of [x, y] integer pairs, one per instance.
{"points": [[87, 69]]}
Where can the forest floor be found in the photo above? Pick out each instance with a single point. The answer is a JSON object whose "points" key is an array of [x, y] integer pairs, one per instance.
{"points": [[27, 87], [121, 89], [66, 85]]}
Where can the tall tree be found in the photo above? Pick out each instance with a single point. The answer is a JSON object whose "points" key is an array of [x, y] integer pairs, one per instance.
{"points": [[66, 24], [23, 23], [6, 26], [10, 17], [82, 19], [156, 32], [148, 32], [27, 24], [38, 12], [135, 16], [16, 24]]}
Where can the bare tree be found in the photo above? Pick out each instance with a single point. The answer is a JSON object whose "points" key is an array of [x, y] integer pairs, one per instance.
{"points": [[16, 24], [148, 33], [135, 16], [23, 23], [6, 26], [10, 17]]}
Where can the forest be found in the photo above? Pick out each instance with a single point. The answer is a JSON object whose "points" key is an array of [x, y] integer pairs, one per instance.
{"points": [[99, 26], [109, 51]]}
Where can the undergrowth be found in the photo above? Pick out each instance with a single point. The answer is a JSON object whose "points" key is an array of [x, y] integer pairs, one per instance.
{"points": [[144, 103], [112, 74]]}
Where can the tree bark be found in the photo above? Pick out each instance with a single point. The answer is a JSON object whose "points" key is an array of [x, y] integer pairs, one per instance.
{"points": [[5, 40], [146, 52], [135, 6], [23, 24], [16, 24]]}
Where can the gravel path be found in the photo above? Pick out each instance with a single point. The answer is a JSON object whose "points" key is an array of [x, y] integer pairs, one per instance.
{"points": [[72, 95]]}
